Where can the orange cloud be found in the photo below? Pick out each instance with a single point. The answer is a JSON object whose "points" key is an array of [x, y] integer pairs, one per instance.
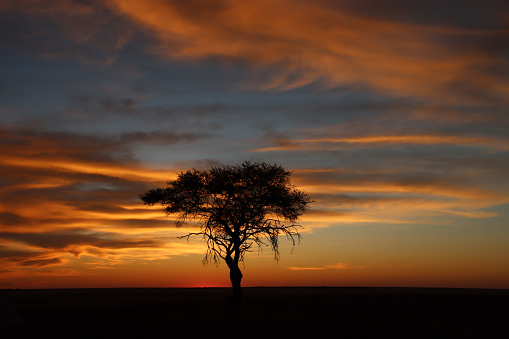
{"points": [[63, 205], [310, 41], [106, 169], [397, 196], [62, 200], [338, 266], [415, 139], [326, 143]]}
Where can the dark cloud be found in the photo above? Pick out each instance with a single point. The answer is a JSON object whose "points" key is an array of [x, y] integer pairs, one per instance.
{"points": [[64, 239], [89, 104], [86, 31], [463, 14], [42, 262], [9, 253], [352, 199], [53, 240], [201, 164], [62, 146], [127, 223], [366, 178], [160, 138], [12, 219]]}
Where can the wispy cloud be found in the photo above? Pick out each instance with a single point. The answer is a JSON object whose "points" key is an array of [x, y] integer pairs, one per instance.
{"points": [[311, 41], [86, 31], [338, 266], [71, 194], [328, 143]]}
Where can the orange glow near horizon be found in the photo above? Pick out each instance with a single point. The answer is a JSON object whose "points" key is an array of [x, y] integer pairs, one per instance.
{"points": [[106, 245]]}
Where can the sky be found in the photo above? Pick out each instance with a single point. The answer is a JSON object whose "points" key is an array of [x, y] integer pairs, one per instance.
{"points": [[393, 116]]}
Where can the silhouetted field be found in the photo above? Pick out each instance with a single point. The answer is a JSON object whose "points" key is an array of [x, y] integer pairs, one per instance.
{"points": [[265, 313]]}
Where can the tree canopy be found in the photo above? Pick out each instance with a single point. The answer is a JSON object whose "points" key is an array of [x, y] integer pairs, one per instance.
{"points": [[236, 207]]}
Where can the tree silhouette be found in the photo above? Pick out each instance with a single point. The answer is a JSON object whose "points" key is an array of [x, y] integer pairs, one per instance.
{"points": [[235, 207]]}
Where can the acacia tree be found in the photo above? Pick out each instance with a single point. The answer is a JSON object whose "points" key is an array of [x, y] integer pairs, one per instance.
{"points": [[235, 207]]}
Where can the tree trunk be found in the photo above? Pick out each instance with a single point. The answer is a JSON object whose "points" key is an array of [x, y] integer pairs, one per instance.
{"points": [[235, 278]]}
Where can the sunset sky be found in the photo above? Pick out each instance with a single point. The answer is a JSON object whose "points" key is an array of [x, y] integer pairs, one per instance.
{"points": [[392, 115]]}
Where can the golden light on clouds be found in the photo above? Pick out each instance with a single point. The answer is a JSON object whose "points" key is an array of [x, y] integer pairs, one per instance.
{"points": [[120, 229], [327, 143], [313, 40], [122, 171]]}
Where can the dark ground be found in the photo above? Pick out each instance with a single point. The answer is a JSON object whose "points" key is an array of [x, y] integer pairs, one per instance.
{"points": [[265, 313]]}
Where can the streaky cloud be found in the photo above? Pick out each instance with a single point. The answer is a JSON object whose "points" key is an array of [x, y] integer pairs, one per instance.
{"points": [[338, 266], [313, 40]]}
